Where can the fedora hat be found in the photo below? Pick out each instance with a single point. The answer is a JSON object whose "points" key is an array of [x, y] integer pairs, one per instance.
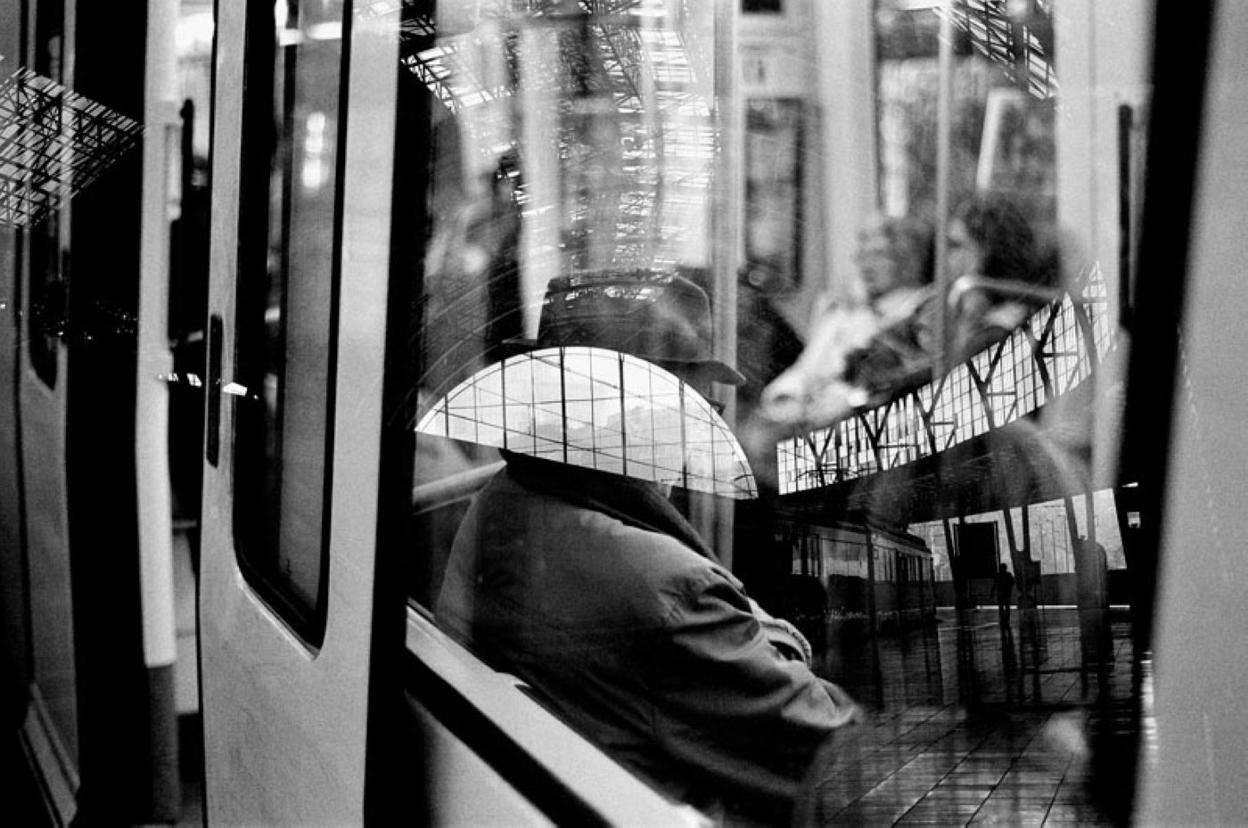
{"points": [[660, 317]]}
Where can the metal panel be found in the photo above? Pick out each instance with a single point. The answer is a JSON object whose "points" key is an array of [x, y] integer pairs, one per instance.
{"points": [[285, 727]]}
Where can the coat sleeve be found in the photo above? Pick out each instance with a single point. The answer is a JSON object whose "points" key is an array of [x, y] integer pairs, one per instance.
{"points": [[729, 704]]}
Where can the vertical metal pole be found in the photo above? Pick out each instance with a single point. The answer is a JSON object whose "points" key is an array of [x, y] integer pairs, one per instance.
{"points": [[1089, 508], [1072, 525], [539, 237], [845, 79], [1032, 589], [727, 198], [726, 237], [684, 444], [871, 609], [563, 402], [1126, 226], [955, 573], [151, 455], [502, 381], [944, 121], [877, 673], [619, 361]]}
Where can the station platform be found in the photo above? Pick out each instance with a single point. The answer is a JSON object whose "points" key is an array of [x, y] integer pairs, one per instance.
{"points": [[965, 727]]}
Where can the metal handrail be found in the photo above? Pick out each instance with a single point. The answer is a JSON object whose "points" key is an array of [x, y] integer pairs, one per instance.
{"points": [[1013, 288], [429, 496]]}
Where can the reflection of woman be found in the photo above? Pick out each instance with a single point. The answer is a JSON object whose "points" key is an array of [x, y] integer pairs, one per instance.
{"points": [[895, 259], [859, 353], [990, 238]]}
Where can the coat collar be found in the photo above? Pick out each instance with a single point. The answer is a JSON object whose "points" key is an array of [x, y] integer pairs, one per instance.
{"points": [[635, 502]]}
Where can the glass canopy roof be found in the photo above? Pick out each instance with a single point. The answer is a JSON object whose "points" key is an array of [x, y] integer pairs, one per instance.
{"points": [[597, 409]]}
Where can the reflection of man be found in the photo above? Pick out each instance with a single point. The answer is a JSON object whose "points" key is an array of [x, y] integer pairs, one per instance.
{"points": [[1005, 594], [1092, 574], [1091, 567], [594, 589]]}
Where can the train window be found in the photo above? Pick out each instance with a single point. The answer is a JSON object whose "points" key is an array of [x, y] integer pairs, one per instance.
{"points": [[905, 306], [289, 226], [773, 193], [46, 321], [48, 298], [612, 186]]}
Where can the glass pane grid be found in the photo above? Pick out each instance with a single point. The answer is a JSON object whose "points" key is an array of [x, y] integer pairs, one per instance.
{"points": [[958, 410], [606, 410]]}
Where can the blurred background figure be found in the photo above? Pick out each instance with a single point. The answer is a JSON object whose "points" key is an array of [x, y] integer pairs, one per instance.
{"points": [[1000, 271], [1005, 593], [869, 350], [896, 262]]}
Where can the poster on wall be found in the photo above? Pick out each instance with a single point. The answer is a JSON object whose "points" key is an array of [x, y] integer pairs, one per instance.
{"points": [[773, 192], [1018, 153]]}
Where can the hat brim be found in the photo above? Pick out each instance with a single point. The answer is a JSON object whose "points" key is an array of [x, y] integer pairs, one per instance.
{"points": [[730, 375], [711, 369], [516, 345]]}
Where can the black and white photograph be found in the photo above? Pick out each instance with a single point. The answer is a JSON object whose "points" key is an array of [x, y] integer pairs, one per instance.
{"points": [[623, 412]]}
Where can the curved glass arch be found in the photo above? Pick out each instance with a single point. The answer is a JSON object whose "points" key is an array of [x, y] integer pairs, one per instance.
{"points": [[597, 409], [1050, 354]]}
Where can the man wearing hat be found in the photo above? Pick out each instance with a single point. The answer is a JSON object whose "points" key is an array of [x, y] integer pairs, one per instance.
{"points": [[596, 591]]}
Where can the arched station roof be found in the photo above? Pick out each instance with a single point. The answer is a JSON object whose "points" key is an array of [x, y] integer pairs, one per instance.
{"points": [[597, 409]]}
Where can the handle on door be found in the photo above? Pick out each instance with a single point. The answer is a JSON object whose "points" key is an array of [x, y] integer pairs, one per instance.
{"points": [[212, 448]]}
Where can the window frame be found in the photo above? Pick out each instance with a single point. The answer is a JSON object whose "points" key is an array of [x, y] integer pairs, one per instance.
{"points": [[259, 535], [43, 242]]}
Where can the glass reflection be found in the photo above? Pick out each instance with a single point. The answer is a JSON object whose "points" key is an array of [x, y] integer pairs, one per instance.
{"points": [[597, 409], [921, 412]]}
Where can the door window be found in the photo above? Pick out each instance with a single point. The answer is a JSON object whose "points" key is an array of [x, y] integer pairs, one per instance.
{"points": [[288, 271], [901, 254]]}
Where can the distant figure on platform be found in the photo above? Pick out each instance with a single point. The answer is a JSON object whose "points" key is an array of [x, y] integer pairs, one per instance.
{"points": [[1091, 568], [1005, 594]]}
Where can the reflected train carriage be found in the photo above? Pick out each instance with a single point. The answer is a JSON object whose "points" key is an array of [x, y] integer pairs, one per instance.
{"points": [[97, 582], [240, 467], [885, 576]]}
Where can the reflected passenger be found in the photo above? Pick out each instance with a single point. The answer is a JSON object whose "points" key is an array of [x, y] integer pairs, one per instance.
{"points": [[857, 354], [999, 271], [896, 263], [596, 591]]}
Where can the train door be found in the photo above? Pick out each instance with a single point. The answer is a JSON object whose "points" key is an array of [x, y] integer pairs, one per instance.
{"points": [[13, 622], [1192, 768], [323, 689], [95, 727], [41, 395], [295, 351]]}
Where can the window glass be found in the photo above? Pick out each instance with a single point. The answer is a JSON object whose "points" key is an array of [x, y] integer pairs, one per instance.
{"points": [[773, 192], [46, 320], [290, 229], [623, 415], [843, 287]]}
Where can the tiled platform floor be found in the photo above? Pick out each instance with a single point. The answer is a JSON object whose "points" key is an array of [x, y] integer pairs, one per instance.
{"points": [[964, 728]]}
